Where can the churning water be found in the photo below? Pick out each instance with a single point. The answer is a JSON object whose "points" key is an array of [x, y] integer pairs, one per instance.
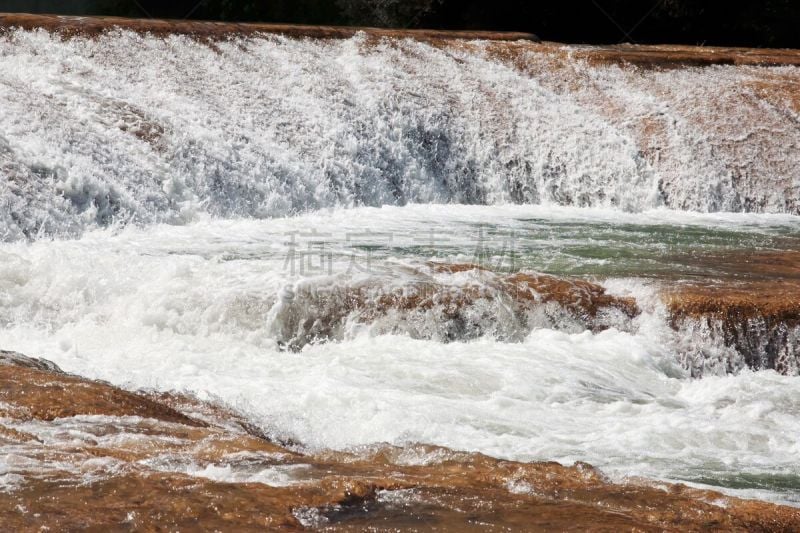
{"points": [[171, 213]]}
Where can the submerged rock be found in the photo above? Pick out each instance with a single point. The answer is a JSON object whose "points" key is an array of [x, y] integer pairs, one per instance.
{"points": [[450, 302], [123, 460]]}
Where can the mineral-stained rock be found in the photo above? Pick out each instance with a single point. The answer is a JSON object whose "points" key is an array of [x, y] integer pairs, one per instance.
{"points": [[512, 43], [753, 313], [759, 322], [435, 303], [40, 390], [147, 467], [646, 57], [675, 56], [90, 26], [581, 297]]}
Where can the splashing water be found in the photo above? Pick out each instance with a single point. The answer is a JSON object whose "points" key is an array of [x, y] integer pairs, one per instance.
{"points": [[129, 128], [175, 215]]}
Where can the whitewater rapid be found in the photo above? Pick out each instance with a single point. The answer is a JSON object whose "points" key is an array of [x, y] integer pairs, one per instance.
{"points": [[171, 209], [189, 308], [126, 128]]}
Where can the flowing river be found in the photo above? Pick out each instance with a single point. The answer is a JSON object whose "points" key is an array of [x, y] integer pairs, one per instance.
{"points": [[254, 222]]}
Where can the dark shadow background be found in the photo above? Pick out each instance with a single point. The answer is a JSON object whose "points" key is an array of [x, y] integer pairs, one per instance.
{"points": [[764, 23]]}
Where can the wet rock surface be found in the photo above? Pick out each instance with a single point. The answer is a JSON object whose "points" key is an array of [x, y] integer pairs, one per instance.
{"points": [[753, 312], [631, 128], [70, 26], [119, 460], [665, 56], [747, 317], [38, 390], [757, 322], [451, 302]]}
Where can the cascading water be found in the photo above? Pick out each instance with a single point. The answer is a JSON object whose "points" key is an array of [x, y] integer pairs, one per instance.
{"points": [[270, 221], [129, 128]]}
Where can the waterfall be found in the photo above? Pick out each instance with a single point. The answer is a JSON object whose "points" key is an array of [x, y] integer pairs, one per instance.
{"points": [[124, 128], [529, 250]]}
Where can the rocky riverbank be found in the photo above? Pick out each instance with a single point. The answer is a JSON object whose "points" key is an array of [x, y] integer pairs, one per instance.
{"points": [[84, 454]]}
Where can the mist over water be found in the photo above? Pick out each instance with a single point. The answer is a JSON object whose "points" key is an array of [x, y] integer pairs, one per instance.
{"points": [[178, 215]]}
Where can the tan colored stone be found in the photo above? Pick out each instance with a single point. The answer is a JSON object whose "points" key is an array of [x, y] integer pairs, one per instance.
{"points": [[91, 26], [338, 491], [49, 395]]}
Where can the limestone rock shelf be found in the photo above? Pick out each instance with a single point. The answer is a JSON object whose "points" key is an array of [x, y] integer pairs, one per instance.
{"points": [[84, 454], [88, 26], [751, 310], [511, 43]]}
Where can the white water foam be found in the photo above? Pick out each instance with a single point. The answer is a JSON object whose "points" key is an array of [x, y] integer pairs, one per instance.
{"points": [[187, 308], [124, 128], [98, 133]]}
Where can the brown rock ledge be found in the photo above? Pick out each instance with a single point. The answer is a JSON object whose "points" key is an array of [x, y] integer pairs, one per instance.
{"points": [[758, 319], [510, 45], [139, 464], [92, 26], [645, 57], [432, 304], [777, 302], [40, 392], [753, 309], [671, 56], [580, 297]]}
